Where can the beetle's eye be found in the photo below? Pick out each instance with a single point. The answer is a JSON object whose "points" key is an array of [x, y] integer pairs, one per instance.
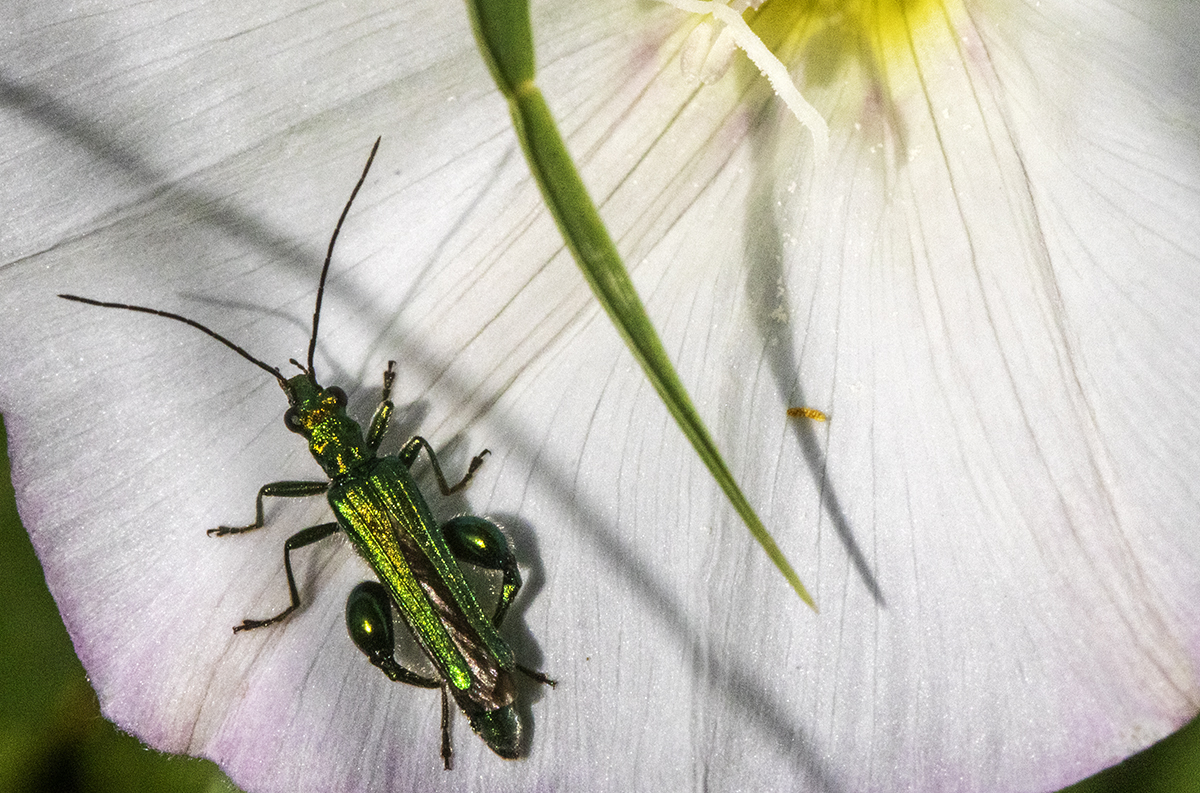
{"points": [[291, 420], [339, 396]]}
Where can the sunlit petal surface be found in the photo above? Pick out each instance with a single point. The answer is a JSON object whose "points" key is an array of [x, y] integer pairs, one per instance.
{"points": [[990, 286]]}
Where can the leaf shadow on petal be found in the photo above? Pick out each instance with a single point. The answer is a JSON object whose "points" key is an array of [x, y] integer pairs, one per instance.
{"points": [[766, 288], [50, 112], [739, 688]]}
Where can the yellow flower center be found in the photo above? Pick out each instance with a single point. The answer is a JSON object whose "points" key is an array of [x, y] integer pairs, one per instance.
{"points": [[817, 35]]}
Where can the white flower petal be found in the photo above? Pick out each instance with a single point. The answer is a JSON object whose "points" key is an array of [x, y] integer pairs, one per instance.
{"points": [[990, 288]]}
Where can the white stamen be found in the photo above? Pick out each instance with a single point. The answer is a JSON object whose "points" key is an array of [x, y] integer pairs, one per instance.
{"points": [[695, 50], [705, 59], [720, 57], [770, 66]]}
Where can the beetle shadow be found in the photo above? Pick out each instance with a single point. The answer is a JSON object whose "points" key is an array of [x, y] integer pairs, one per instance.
{"points": [[515, 630]]}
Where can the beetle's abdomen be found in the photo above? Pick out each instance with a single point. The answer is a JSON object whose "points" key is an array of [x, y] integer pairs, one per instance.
{"points": [[390, 524]]}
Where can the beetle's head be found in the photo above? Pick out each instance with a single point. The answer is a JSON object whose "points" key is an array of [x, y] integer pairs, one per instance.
{"points": [[319, 414]]}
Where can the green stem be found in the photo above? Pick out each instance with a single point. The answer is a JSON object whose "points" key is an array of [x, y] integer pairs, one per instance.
{"points": [[505, 37]]}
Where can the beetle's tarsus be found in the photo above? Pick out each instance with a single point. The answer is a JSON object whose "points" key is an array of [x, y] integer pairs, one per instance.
{"points": [[447, 743], [222, 531], [536, 676], [249, 625]]}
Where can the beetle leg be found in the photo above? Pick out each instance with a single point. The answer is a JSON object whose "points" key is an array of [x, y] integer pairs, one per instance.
{"points": [[275, 490], [408, 456], [369, 623], [447, 744], [536, 676], [298, 540], [480, 542], [383, 413]]}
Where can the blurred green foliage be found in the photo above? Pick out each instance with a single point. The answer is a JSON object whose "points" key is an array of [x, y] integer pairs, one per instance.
{"points": [[52, 736], [1170, 766], [54, 740]]}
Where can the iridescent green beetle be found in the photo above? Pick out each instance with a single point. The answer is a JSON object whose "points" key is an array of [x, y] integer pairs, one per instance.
{"points": [[381, 509]]}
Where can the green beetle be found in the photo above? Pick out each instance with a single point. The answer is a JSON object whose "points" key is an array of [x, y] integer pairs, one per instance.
{"points": [[382, 510]]}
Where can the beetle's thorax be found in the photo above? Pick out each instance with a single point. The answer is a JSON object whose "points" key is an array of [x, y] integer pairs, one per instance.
{"points": [[319, 414]]}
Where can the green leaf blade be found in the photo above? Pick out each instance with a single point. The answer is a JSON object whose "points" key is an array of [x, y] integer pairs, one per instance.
{"points": [[505, 38]]}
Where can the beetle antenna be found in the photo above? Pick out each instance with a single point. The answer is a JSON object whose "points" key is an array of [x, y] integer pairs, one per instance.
{"points": [[159, 313], [312, 342]]}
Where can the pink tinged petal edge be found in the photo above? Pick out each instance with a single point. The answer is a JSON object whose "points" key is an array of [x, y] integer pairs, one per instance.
{"points": [[1011, 458]]}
